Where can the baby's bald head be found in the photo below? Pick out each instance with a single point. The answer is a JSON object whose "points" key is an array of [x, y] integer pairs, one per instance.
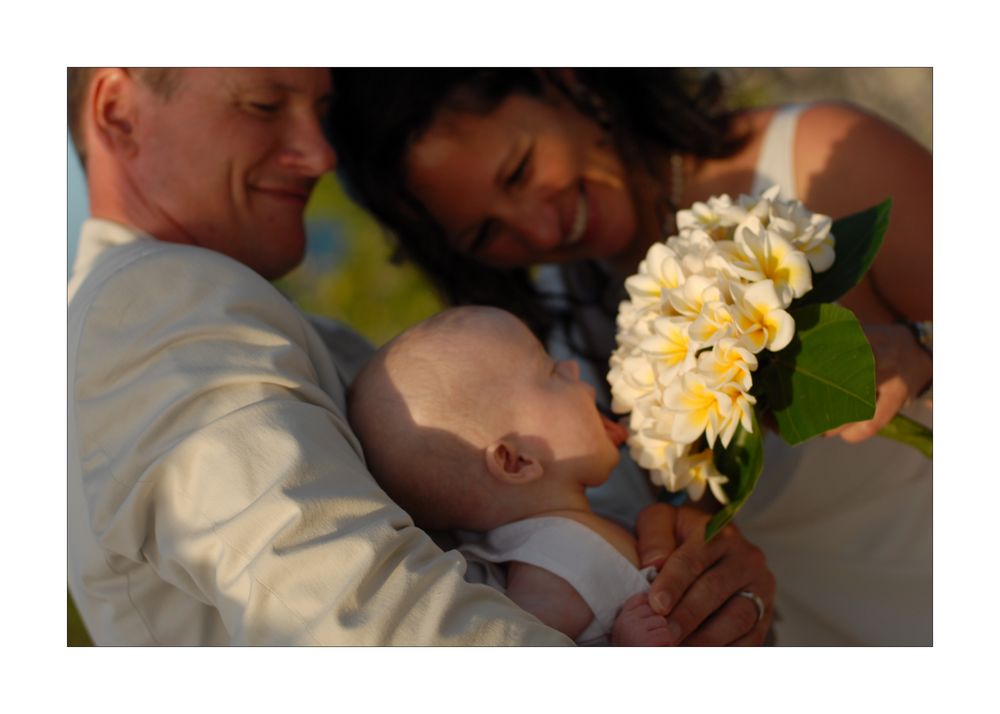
{"points": [[425, 406]]}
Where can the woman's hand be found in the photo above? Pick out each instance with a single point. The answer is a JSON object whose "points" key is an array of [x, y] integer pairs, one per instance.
{"points": [[902, 370], [699, 584]]}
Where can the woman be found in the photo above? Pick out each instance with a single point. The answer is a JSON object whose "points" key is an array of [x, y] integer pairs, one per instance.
{"points": [[485, 173]]}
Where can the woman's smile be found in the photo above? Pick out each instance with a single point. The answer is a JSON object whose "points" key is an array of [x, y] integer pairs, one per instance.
{"points": [[564, 197]]}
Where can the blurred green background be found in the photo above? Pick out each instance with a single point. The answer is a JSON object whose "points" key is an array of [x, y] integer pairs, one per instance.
{"points": [[347, 274]]}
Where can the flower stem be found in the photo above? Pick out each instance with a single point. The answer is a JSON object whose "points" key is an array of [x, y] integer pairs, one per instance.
{"points": [[907, 431]]}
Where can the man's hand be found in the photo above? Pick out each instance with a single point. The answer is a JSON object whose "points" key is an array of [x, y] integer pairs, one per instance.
{"points": [[638, 626], [698, 585]]}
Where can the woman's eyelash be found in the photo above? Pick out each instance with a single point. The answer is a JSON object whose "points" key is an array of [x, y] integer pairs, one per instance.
{"points": [[485, 232], [264, 107], [483, 236], [521, 169]]}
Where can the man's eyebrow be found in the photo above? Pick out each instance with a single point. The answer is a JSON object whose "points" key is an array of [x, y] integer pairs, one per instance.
{"points": [[276, 85]]}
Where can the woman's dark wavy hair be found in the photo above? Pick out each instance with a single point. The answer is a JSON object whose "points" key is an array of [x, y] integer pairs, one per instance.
{"points": [[378, 113]]}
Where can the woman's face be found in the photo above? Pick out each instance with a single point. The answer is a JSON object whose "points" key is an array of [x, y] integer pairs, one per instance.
{"points": [[533, 181]]}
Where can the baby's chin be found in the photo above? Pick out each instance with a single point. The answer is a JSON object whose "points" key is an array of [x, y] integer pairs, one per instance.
{"points": [[614, 458]]}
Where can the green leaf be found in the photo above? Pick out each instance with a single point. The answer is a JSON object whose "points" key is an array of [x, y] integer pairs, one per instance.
{"points": [[907, 431], [825, 377], [857, 239], [741, 461]]}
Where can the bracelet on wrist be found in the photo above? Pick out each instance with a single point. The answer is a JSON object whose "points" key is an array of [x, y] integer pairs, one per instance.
{"points": [[923, 333]]}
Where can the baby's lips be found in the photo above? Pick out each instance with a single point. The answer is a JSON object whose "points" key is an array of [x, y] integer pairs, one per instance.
{"points": [[616, 432]]}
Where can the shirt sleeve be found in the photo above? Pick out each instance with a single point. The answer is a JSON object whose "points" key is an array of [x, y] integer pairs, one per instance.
{"points": [[215, 449]]}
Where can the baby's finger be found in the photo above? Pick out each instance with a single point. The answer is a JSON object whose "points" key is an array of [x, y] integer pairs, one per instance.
{"points": [[637, 601]]}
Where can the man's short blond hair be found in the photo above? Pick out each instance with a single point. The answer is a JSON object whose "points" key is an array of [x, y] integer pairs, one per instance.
{"points": [[162, 81]]}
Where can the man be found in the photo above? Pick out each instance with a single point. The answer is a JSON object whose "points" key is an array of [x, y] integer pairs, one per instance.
{"points": [[216, 492]]}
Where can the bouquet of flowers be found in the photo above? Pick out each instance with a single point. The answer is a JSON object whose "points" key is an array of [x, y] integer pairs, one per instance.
{"points": [[732, 320]]}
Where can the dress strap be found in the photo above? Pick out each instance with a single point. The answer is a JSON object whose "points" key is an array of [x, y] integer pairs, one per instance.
{"points": [[776, 163], [601, 575]]}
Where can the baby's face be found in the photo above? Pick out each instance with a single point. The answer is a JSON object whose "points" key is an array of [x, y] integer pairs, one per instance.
{"points": [[548, 401]]}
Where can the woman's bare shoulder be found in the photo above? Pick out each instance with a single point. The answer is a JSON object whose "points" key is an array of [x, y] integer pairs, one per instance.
{"points": [[834, 142], [845, 157]]}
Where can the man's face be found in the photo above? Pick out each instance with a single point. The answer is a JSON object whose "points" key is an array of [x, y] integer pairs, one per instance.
{"points": [[229, 160]]}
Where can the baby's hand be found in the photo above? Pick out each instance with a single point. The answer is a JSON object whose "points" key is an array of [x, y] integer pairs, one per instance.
{"points": [[638, 626]]}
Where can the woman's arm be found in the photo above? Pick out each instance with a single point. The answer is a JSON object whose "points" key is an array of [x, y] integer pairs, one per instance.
{"points": [[846, 161]]}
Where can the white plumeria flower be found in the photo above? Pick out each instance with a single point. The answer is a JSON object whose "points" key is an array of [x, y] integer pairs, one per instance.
{"points": [[631, 380], [670, 348], [807, 231], [714, 323], [634, 325], [740, 413], [702, 305], [699, 471], [665, 473], [692, 248], [760, 317], [708, 217], [820, 252], [659, 272], [628, 316], [649, 415], [698, 255], [728, 361], [773, 258], [746, 207], [718, 265], [652, 450], [790, 218], [697, 408], [689, 298]]}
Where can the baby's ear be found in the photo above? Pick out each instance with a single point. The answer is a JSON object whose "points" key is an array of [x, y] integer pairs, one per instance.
{"points": [[507, 462]]}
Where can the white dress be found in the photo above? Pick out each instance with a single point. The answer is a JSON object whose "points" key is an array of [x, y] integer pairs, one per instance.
{"points": [[848, 534], [846, 528]]}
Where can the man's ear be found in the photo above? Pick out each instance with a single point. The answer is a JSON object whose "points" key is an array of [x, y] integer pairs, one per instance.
{"points": [[112, 105], [510, 464]]}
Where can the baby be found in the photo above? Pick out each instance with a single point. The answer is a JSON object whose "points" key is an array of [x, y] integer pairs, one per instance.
{"points": [[469, 425]]}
